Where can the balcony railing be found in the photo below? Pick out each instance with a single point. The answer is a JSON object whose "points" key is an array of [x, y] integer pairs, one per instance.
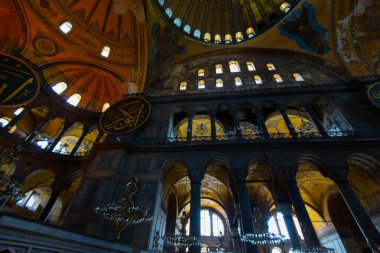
{"points": [[258, 137]]}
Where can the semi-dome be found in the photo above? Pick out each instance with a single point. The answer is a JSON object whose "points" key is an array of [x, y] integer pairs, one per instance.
{"points": [[224, 21]]}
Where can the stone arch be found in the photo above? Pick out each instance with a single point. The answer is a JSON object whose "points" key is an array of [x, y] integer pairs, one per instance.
{"points": [[365, 162]]}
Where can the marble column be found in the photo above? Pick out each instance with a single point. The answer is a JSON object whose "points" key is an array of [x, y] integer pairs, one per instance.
{"points": [[195, 207], [79, 142], [286, 210], [36, 131], [261, 120], [235, 115], [245, 210], [58, 138], [308, 231], [366, 226], [213, 124], [190, 126], [289, 124], [16, 119], [316, 121]]}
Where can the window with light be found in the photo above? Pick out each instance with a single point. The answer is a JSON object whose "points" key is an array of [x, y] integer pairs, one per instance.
{"points": [[4, 121], [177, 22], [59, 88], [201, 72], [219, 69], [219, 83], [250, 66], [211, 224], [207, 37], [106, 51], [183, 86], [31, 201], [258, 79], [278, 78], [298, 77], [234, 66], [66, 27], [74, 99], [276, 225], [18, 111], [201, 84], [187, 28], [238, 81], [270, 66], [105, 107]]}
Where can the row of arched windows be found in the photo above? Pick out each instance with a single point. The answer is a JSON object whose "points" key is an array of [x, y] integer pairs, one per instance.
{"points": [[66, 28], [235, 68], [238, 81], [74, 99]]}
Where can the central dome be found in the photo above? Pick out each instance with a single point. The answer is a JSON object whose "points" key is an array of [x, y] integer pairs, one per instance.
{"points": [[224, 21]]}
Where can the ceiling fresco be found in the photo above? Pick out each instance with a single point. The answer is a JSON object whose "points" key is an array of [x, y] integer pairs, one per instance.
{"points": [[96, 24]]}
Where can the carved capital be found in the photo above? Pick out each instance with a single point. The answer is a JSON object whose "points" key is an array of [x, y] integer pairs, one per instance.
{"points": [[195, 175]]}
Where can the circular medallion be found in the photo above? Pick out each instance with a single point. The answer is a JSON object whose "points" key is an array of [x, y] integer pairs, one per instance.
{"points": [[373, 94], [19, 84], [45, 46], [125, 116]]}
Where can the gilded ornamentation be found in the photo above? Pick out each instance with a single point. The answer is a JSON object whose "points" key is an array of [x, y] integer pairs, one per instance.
{"points": [[19, 84]]}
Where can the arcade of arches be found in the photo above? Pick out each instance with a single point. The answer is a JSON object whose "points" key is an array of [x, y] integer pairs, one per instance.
{"points": [[260, 122]]}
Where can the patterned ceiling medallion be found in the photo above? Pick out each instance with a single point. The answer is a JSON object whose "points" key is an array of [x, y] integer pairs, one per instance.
{"points": [[45, 46], [125, 116]]}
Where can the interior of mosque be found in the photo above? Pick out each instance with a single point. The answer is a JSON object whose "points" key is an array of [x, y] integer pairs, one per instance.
{"points": [[261, 116]]}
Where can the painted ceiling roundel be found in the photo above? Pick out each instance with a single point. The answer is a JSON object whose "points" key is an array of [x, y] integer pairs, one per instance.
{"points": [[224, 21]]}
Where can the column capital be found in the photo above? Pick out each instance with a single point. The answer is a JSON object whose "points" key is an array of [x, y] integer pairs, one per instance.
{"points": [[285, 208], [195, 175], [337, 174], [240, 175]]}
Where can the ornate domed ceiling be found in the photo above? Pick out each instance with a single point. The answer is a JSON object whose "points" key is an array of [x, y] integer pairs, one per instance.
{"points": [[224, 21], [65, 40]]}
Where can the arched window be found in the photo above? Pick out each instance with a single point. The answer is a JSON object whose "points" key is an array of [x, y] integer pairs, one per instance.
{"points": [[59, 88], [298, 77], [207, 37], [161, 2], [238, 81], [4, 121], [258, 79], [201, 72], [278, 78], [183, 86], [228, 38], [106, 51], [219, 83], [276, 250], [234, 66], [250, 66], [66, 27], [201, 84], [250, 32], [177, 22], [105, 107], [285, 7], [169, 12], [239, 36], [270, 66], [74, 99], [187, 28], [42, 143], [218, 69], [211, 224], [31, 201], [197, 33], [18, 111], [217, 38], [276, 225]]}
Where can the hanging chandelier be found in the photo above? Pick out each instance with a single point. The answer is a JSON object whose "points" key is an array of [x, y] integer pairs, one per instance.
{"points": [[8, 187], [124, 212], [182, 241], [260, 236]]}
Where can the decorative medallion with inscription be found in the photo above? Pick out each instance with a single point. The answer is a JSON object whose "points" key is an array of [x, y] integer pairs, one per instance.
{"points": [[19, 84], [125, 116], [373, 93]]}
